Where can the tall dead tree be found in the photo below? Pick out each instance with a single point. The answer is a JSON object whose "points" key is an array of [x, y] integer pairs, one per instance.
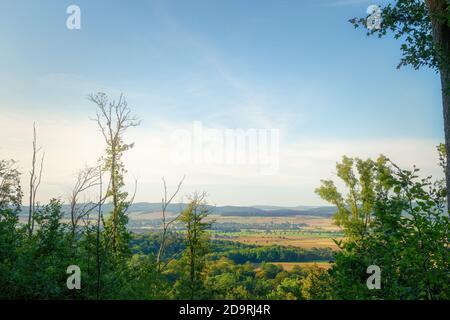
{"points": [[114, 118], [35, 180], [165, 222]]}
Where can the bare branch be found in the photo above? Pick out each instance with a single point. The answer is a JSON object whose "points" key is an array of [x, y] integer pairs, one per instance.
{"points": [[132, 197], [165, 225], [35, 180], [87, 178]]}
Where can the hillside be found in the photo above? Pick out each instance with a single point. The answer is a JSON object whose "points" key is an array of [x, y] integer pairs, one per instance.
{"points": [[238, 211]]}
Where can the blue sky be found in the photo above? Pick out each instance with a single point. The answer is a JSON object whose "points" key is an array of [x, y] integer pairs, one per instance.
{"points": [[298, 66]]}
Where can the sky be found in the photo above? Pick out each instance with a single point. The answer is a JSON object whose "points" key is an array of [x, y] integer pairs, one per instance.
{"points": [[293, 70]]}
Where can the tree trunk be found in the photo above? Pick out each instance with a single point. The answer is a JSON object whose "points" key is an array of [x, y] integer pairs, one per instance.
{"points": [[114, 196], [446, 108], [97, 240], [441, 36]]}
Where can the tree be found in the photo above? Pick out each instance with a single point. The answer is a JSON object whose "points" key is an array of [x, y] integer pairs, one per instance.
{"points": [[10, 190], [316, 284], [165, 223], [269, 270], [407, 236], [354, 210], [113, 119], [39, 270], [10, 202], [424, 27], [101, 200], [86, 179], [290, 288], [197, 239], [35, 181], [410, 237]]}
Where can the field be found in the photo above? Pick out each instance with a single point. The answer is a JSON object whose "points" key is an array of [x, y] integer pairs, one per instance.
{"points": [[315, 232], [288, 266], [305, 240], [305, 232], [292, 242], [309, 222]]}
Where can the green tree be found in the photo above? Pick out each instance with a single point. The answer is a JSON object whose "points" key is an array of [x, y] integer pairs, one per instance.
{"points": [[10, 201], [10, 189], [289, 289], [197, 243], [39, 271], [316, 285], [407, 237], [269, 270], [424, 28], [363, 178]]}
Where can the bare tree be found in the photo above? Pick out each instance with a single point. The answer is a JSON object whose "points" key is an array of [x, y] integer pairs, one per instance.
{"points": [[165, 222], [86, 179], [114, 118], [35, 180]]}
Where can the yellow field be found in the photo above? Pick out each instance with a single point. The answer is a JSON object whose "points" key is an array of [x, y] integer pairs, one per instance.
{"points": [[288, 266], [299, 242]]}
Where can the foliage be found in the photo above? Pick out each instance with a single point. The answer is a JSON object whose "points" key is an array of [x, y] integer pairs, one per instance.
{"points": [[363, 178], [410, 20], [407, 236], [391, 218], [10, 190], [193, 260], [113, 119]]}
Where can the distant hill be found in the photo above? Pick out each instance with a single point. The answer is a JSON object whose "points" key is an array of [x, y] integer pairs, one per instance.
{"points": [[280, 207], [251, 211], [274, 211]]}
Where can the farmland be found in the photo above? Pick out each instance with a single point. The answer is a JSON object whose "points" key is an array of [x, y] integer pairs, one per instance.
{"points": [[300, 239], [304, 232], [288, 266]]}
